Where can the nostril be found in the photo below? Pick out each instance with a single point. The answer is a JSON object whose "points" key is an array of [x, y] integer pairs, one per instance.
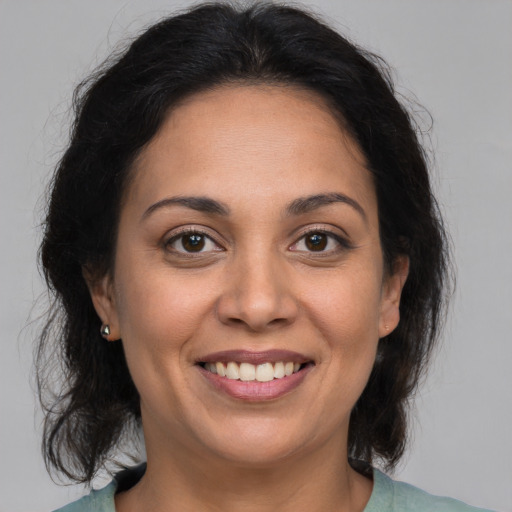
{"points": [[236, 321], [278, 321]]}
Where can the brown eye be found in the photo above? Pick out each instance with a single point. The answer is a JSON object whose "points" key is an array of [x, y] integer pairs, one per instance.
{"points": [[194, 242], [320, 242], [316, 241]]}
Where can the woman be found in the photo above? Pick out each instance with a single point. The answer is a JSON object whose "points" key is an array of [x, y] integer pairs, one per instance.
{"points": [[249, 263]]}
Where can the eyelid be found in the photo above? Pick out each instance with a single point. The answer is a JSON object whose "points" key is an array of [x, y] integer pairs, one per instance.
{"points": [[176, 233], [341, 239], [328, 229]]}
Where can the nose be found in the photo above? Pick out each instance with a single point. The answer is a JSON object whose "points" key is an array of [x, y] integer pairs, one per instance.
{"points": [[258, 296]]}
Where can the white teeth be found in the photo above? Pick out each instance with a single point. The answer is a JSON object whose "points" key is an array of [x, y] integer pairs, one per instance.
{"points": [[221, 370], [279, 370], [232, 371], [264, 372], [248, 372]]}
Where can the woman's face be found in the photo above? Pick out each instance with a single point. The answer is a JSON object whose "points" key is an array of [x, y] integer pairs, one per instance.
{"points": [[249, 245]]}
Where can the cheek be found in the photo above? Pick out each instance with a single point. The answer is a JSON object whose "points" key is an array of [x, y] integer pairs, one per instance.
{"points": [[347, 312], [158, 314], [158, 318], [347, 305]]}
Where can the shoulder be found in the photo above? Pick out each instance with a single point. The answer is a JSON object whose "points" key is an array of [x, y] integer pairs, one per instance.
{"points": [[392, 496], [101, 500]]}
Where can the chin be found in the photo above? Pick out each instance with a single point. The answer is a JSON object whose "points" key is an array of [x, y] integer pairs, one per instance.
{"points": [[262, 445]]}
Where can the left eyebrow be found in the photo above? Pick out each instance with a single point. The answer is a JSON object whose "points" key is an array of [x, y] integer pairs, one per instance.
{"points": [[200, 204], [308, 204]]}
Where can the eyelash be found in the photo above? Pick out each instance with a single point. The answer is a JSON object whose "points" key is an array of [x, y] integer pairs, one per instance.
{"points": [[189, 232], [340, 241]]}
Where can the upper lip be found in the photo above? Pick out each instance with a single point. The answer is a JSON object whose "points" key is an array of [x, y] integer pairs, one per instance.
{"points": [[248, 356]]}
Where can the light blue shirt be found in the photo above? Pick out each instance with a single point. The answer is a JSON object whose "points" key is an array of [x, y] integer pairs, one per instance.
{"points": [[387, 496]]}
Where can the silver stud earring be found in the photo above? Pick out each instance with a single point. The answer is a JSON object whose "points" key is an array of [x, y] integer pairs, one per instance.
{"points": [[105, 330]]}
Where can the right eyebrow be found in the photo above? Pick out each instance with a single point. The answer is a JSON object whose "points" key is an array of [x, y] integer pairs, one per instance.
{"points": [[198, 203], [310, 203]]}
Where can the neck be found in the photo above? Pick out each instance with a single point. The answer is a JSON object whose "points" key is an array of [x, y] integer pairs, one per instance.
{"points": [[318, 481]]}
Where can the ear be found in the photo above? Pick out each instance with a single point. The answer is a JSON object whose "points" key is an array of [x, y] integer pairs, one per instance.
{"points": [[391, 292], [103, 299]]}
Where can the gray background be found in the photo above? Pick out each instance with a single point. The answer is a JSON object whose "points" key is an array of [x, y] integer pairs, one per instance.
{"points": [[454, 55]]}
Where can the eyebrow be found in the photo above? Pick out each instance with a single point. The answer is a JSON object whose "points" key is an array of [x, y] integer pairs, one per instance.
{"points": [[200, 204], [298, 206], [310, 203]]}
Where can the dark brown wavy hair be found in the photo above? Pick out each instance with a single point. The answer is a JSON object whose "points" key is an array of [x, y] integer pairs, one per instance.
{"points": [[92, 406]]}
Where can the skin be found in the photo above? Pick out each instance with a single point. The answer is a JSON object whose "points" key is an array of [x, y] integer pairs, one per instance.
{"points": [[256, 285]]}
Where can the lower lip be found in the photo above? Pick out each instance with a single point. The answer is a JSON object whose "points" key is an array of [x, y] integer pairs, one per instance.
{"points": [[254, 391]]}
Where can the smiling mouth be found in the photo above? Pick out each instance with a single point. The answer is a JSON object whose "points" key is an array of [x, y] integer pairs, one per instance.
{"points": [[247, 372], [255, 376]]}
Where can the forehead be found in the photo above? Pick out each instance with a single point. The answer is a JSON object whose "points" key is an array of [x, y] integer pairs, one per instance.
{"points": [[241, 141]]}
